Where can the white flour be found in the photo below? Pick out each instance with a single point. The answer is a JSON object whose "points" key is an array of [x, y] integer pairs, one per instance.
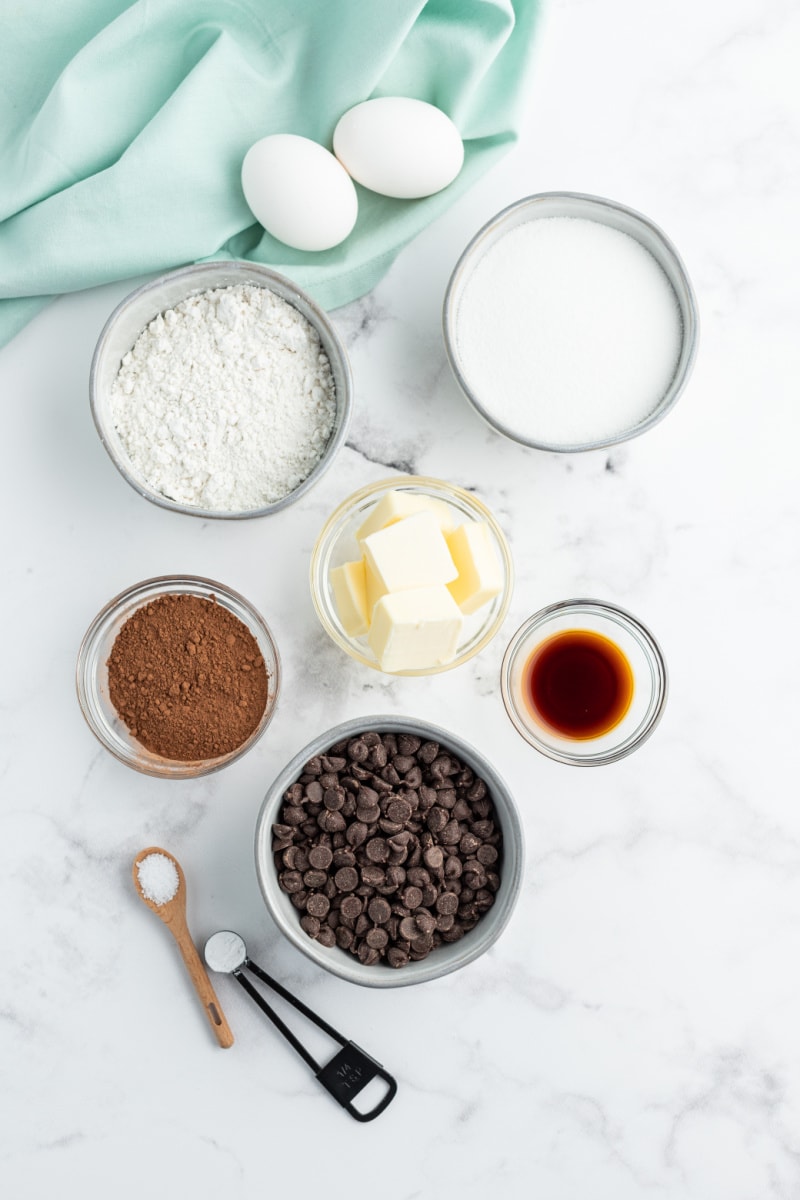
{"points": [[226, 401], [568, 331]]}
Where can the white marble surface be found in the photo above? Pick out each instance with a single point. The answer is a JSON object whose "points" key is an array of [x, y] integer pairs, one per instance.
{"points": [[635, 1032]]}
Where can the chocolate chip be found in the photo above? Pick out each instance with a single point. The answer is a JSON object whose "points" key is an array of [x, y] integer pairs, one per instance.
{"points": [[358, 750], [333, 763], [377, 850], [452, 867], [331, 822], [450, 834], [433, 858], [315, 879], [395, 877], [343, 858], [326, 936], [378, 756], [344, 937], [320, 857], [399, 810], [357, 833], [447, 903], [318, 905], [412, 897], [301, 860], [379, 910], [428, 752], [346, 879], [311, 925], [293, 815], [291, 881], [372, 875], [351, 907], [436, 819], [426, 922], [376, 939]]}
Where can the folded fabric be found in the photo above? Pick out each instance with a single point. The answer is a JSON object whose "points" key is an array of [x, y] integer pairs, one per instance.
{"points": [[123, 127]]}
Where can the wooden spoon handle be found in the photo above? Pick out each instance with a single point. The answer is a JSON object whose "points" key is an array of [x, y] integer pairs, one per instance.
{"points": [[202, 985]]}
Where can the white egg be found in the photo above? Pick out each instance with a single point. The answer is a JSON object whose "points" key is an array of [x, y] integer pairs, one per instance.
{"points": [[399, 147], [299, 192]]}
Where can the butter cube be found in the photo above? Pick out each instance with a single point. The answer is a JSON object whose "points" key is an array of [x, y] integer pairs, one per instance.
{"points": [[350, 596], [375, 589], [480, 575], [397, 504], [415, 629], [412, 553]]}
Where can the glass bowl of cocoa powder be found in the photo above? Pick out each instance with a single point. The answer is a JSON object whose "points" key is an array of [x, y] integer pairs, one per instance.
{"points": [[178, 676]]}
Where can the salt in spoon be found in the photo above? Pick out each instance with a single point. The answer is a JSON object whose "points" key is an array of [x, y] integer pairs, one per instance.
{"points": [[170, 907]]}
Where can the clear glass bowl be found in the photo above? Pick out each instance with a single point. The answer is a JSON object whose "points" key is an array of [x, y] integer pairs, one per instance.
{"points": [[135, 312], [649, 681], [337, 544], [92, 673]]}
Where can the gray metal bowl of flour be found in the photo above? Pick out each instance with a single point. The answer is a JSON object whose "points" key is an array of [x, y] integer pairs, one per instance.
{"points": [[494, 409], [134, 314]]}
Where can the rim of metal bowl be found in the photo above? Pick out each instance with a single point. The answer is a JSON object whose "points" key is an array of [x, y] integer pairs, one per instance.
{"points": [[687, 305], [282, 286], [336, 960]]}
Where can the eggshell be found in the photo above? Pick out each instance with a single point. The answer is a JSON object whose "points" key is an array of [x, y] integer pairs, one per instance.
{"points": [[399, 147], [299, 192]]}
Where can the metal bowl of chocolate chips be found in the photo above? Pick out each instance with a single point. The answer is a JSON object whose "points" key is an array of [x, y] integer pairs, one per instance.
{"points": [[389, 851]]}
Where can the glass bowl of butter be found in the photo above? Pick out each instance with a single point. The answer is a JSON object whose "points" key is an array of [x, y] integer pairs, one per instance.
{"points": [[411, 576]]}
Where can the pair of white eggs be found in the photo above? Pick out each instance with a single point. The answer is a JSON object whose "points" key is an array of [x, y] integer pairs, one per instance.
{"points": [[304, 195]]}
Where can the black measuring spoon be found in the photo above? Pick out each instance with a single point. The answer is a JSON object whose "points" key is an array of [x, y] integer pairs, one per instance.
{"points": [[347, 1073]]}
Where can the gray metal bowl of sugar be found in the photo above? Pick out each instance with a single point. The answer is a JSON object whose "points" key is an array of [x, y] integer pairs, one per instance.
{"points": [[134, 313], [617, 217], [443, 959]]}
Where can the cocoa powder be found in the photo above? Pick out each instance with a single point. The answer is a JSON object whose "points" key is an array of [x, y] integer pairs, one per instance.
{"points": [[187, 678]]}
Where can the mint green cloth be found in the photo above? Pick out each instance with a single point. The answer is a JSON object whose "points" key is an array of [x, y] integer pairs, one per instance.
{"points": [[123, 127]]}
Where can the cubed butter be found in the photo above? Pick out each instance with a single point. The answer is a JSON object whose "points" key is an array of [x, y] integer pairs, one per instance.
{"points": [[349, 585], [415, 629], [480, 576], [412, 553], [375, 589], [396, 505]]}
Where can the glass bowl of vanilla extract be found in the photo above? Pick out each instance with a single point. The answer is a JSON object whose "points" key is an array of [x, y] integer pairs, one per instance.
{"points": [[584, 682]]}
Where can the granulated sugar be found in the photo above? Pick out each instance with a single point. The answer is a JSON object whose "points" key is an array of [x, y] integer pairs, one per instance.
{"points": [[567, 331], [226, 401]]}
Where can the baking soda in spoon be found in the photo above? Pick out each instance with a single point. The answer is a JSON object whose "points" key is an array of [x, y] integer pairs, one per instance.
{"points": [[568, 331]]}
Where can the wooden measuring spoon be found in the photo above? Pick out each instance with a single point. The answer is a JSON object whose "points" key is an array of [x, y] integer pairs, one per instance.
{"points": [[173, 913]]}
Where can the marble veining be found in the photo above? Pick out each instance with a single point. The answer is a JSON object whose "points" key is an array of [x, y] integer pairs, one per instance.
{"points": [[634, 1032]]}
